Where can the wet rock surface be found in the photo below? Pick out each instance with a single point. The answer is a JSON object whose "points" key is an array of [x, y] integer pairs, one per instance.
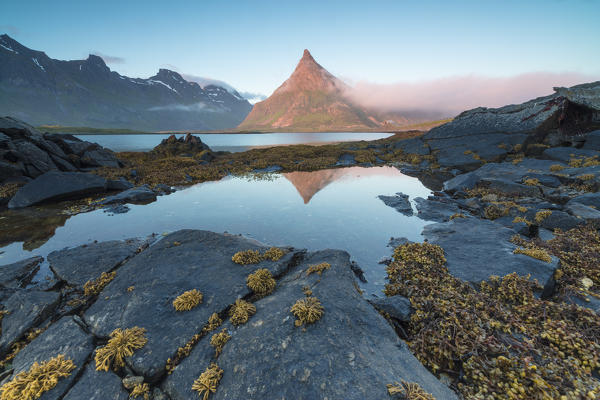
{"points": [[19, 274], [350, 353], [78, 265], [400, 202], [97, 385], [55, 186], [181, 261], [25, 309], [137, 195]]}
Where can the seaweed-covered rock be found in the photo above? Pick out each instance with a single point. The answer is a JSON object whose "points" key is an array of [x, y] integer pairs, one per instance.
{"points": [[55, 186], [181, 261], [476, 249], [25, 309], [189, 145], [62, 337], [351, 352], [78, 265], [97, 385], [400, 202]]}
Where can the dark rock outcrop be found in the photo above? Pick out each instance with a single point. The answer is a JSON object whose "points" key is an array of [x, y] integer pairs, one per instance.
{"points": [[435, 209], [400, 202], [189, 145], [56, 186], [19, 274], [26, 153], [78, 265]]}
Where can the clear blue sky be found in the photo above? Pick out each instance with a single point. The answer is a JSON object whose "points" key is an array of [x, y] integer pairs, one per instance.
{"points": [[254, 45]]}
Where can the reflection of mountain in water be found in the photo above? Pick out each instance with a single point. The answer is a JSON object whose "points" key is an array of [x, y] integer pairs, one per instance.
{"points": [[309, 183]]}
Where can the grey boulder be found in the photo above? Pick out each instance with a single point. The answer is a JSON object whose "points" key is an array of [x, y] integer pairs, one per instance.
{"points": [[56, 186]]}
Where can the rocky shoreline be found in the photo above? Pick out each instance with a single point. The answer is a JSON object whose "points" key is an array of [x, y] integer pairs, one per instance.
{"points": [[502, 300]]}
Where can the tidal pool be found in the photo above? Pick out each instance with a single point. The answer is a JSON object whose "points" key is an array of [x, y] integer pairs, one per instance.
{"points": [[336, 208]]}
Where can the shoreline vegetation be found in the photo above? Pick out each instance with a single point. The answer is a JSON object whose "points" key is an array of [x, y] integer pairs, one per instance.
{"points": [[85, 130]]}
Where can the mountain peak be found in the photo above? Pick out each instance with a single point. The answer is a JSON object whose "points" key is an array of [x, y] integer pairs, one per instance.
{"points": [[96, 60]]}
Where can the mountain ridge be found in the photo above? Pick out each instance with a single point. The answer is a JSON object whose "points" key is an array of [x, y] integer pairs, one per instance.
{"points": [[311, 99], [42, 90]]}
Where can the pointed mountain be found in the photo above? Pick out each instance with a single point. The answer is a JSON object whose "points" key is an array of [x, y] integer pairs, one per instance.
{"points": [[40, 90], [311, 99]]}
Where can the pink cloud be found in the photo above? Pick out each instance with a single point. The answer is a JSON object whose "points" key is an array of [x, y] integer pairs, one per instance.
{"points": [[452, 95]]}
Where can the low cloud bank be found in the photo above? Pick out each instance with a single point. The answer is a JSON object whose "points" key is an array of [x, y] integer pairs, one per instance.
{"points": [[109, 59], [194, 107], [447, 97]]}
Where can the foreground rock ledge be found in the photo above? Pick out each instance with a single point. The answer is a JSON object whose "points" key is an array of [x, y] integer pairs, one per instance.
{"points": [[350, 353]]}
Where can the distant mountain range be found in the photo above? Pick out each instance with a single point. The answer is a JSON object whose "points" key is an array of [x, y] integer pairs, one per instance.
{"points": [[41, 90], [312, 99]]}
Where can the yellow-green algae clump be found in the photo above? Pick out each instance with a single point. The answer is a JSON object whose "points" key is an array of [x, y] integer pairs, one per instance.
{"points": [[247, 257], [241, 311], [188, 300], [409, 391], [218, 341], [32, 384], [318, 268], [208, 381], [261, 282], [254, 257], [307, 311], [94, 287], [501, 342], [140, 390], [273, 254], [122, 343]]}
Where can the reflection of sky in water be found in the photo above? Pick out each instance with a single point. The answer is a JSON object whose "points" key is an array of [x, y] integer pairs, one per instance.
{"points": [[344, 214], [230, 142]]}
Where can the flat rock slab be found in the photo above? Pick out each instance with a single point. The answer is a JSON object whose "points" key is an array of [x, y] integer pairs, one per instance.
{"points": [[26, 308], [350, 353], [400, 202], [97, 385], [55, 186], [565, 154], [137, 195], [588, 199], [181, 261], [19, 274], [584, 212], [62, 337], [78, 265], [397, 307], [435, 210], [476, 249]]}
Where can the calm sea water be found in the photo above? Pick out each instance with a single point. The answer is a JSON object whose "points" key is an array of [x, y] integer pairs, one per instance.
{"points": [[231, 142], [335, 208]]}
